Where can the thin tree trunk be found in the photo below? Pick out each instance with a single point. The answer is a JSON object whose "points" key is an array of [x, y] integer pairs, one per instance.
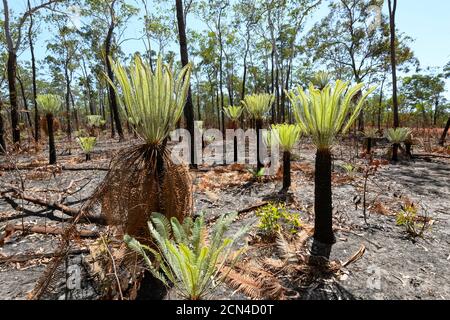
{"points": [[444, 134], [2, 131], [33, 77], [323, 221], [392, 12], [189, 107], [112, 94], [11, 70], [25, 101], [51, 139]]}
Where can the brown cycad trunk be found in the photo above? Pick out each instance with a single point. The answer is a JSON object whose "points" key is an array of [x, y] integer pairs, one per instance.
{"points": [[395, 147], [323, 220], [286, 170], [189, 107], [51, 139]]}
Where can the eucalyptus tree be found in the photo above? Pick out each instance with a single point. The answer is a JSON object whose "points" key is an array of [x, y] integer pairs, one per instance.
{"points": [[424, 91], [50, 105], [13, 30], [345, 38], [189, 107], [323, 114], [257, 105], [108, 18]]}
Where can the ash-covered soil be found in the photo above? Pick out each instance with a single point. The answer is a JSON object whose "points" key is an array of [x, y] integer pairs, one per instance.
{"points": [[394, 265]]}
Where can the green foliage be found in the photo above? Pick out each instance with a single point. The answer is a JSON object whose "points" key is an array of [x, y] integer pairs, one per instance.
{"points": [[349, 168], [256, 174], [325, 113], [414, 224], [154, 100], [273, 217], [287, 135], [257, 105], [321, 79], [233, 112], [95, 121], [187, 259], [49, 103], [87, 144], [397, 135]]}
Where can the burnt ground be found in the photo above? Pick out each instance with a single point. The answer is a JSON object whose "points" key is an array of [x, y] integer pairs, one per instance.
{"points": [[394, 265]]}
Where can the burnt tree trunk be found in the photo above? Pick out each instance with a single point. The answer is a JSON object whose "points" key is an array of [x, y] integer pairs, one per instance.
{"points": [[258, 127], [51, 139], [33, 77], [395, 147], [392, 11], [323, 220], [11, 70], [189, 107], [2, 132], [286, 170], [111, 92], [444, 134]]}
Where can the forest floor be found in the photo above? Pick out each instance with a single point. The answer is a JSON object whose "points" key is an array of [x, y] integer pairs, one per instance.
{"points": [[393, 265]]}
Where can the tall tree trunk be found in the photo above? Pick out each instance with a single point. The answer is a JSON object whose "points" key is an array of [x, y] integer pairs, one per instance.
{"points": [[51, 139], [244, 75], [25, 101], [33, 77], [11, 70], [380, 103], [2, 131], [114, 109], [323, 220], [392, 12], [189, 107], [444, 134], [68, 111]]}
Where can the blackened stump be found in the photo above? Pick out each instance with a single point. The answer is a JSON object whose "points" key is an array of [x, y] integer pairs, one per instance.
{"points": [[51, 139], [286, 170]]}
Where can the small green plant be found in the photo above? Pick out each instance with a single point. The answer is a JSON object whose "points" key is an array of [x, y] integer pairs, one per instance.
{"points": [[87, 144], [233, 112], [257, 174], [273, 217], [186, 258], [396, 137], [350, 169], [415, 225]]}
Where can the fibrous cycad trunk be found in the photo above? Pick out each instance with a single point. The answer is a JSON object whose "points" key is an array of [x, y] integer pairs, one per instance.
{"points": [[286, 170], [142, 180], [323, 222]]}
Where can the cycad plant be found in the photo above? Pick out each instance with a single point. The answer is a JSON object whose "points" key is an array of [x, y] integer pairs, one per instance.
{"points": [[145, 178], [321, 79], [234, 113], [257, 106], [370, 134], [50, 105], [87, 144], [323, 114], [189, 261], [287, 136], [396, 137]]}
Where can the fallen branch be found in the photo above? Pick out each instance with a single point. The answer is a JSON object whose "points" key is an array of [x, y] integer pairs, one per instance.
{"points": [[80, 168], [27, 257], [10, 229], [242, 211], [431, 156]]}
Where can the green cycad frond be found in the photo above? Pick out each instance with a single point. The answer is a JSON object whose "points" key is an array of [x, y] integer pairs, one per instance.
{"points": [[324, 113], [397, 135], [87, 144], [49, 103], [154, 100], [321, 79], [287, 135], [94, 120], [187, 260], [257, 105], [233, 112]]}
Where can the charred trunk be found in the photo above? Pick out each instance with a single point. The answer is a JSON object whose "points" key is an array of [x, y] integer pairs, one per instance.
{"points": [[323, 220], [258, 127], [51, 139], [444, 134], [11, 70], [286, 170]]}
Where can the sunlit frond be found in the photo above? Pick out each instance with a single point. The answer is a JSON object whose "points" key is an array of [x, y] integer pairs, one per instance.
{"points": [[49, 103], [287, 135], [233, 112], [257, 105]]}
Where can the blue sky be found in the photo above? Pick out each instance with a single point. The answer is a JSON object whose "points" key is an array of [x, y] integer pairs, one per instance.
{"points": [[426, 21]]}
